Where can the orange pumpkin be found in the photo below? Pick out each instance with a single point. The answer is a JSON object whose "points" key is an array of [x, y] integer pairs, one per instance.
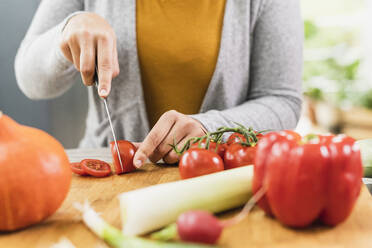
{"points": [[35, 175]]}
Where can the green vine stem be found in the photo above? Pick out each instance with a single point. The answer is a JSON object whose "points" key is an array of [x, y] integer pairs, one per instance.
{"points": [[249, 134]]}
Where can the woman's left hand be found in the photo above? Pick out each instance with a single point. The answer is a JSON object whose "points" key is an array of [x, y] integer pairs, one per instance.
{"points": [[171, 127]]}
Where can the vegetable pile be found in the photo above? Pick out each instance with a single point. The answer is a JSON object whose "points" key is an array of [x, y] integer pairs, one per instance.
{"points": [[35, 175], [297, 180]]}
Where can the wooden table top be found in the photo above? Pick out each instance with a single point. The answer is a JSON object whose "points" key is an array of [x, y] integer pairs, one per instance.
{"points": [[257, 230]]}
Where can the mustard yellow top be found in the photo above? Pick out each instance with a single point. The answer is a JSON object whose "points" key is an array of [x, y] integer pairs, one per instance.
{"points": [[178, 43]]}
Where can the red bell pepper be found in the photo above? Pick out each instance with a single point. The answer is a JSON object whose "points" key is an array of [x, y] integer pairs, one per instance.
{"points": [[305, 181]]}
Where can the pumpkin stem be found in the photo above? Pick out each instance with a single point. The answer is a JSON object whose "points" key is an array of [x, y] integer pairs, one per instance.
{"points": [[1, 114]]}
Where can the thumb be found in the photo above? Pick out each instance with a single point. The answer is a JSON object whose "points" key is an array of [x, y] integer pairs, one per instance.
{"points": [[140, 156]]}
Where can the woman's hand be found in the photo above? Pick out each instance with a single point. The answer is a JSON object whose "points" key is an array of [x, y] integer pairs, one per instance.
{"points": [[172, 126], [88, 38]]}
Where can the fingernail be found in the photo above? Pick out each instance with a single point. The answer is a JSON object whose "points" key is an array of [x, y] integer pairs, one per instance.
{"points": [[137, 163], [103, 92]]}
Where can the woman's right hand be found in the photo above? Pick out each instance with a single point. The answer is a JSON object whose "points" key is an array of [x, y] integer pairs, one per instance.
{"points": [[88, 36]]}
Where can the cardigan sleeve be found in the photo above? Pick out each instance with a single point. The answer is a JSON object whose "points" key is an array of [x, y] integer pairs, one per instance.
{"points": [[42, 71], [275, 95]]}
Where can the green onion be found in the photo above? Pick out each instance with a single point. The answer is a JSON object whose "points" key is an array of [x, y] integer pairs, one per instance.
{"points": [[154, 207], [115, 238], [166, 234], [366, 153]]}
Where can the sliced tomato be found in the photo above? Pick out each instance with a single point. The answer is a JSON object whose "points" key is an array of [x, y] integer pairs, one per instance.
{"points": [[95, 167], [76, 168], [126, 151]]}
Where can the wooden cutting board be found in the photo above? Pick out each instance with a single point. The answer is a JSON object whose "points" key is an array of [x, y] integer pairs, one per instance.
{"points": [[257, 230]]}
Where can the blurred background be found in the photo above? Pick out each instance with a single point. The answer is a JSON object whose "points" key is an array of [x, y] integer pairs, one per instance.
{"points": [[337, 67], [337, 74], [63, 117]]}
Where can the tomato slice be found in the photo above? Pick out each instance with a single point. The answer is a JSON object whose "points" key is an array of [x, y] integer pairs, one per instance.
{"points": [[76, 168], [95, 167]]}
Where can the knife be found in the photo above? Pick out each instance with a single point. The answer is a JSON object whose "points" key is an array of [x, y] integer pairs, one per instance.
{"points": [[109, 118]]}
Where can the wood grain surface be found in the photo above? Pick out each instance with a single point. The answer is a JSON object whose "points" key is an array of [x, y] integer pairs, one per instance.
{"points": [[257, 230]]}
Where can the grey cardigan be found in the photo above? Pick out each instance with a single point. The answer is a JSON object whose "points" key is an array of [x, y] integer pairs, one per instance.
{"points": [[256, 82]]}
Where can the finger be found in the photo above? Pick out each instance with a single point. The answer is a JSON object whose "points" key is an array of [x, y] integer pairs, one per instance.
{"points": [[155, 137], [87, 61], [136, 144], [116, 70], [75, 51], [176, 134], [105, 65], [172, 157], [65, 48]]}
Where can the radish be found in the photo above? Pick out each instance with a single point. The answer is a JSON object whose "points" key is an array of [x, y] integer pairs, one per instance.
{"points": [[203, 227], [199, 227]]}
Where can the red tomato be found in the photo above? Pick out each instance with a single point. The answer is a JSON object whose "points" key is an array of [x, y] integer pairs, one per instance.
{"points": [[259, 135], [221, 148], [239, 155], [239, 138], [290, 134], [127, 151], [199, 227], [76, 168], [95, 167], [197, 162], [236, 138]]}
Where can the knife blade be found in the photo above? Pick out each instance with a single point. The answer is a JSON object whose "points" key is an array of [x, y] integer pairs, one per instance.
{"points": [[109, 118]]}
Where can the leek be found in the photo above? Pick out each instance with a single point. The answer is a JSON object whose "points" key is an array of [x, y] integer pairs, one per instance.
{"points": [[366, 154], [115, 238], [148, 209]]}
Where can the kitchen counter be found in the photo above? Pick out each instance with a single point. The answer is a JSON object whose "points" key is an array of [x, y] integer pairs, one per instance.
{"points": [[257, 230]]}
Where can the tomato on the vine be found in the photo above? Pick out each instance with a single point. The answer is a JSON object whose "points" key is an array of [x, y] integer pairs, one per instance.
{"points": [[95, 167], [290, 134], [240, 138], [239, 155], [197, 162], [221, 147], [126, 151], [236, 138]]}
